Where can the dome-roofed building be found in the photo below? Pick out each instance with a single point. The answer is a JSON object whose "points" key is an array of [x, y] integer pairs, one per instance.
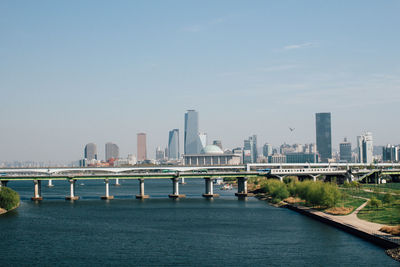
{"points": [[212, 155], [211, 149]]}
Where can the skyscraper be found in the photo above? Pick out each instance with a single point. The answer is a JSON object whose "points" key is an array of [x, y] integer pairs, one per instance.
{"points": [[267, 150], [345, 151], [173, 144], [250, 154], [324, 136], [90, 151], [112, 151], [160, 154], [203, 139], [365, 148], [141, 147], [192, 143]]}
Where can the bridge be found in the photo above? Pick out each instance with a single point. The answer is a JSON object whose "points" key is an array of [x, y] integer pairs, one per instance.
{"points": [[355, 171]]}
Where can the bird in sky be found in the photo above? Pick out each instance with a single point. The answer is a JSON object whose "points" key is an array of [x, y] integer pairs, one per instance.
{"points": [[291, 129]]}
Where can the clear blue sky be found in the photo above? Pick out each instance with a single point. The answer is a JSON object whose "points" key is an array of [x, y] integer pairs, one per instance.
{"points": [[73, 72]]}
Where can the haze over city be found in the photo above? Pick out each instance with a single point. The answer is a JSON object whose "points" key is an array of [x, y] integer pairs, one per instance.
{"points": [[95, 71]]}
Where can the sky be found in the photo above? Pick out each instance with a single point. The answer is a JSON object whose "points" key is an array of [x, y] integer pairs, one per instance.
{"points": [[74, 72]]}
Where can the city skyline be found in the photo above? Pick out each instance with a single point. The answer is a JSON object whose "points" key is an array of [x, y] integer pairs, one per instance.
{"points": [[277, 61]]}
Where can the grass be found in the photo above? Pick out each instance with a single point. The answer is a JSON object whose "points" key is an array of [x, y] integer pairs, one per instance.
{"points": [[388, 214], [390, 187]]}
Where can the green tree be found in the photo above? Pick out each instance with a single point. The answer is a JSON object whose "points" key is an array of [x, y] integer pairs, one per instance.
{"points": [[9, 199]]}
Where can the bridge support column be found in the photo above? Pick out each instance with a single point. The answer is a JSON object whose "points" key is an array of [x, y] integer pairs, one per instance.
{"points": [[281, 178], [50, 184], [141, 192], [37, 195], [72, 191], [242, 187], [175, 184], [3, 183], [209, 188], [183, 180], [117, 182], [107, 196], [314, 177]]}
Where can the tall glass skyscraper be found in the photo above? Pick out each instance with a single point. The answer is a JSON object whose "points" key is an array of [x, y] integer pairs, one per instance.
{"points": [[192, 143], [324, 136], [173, 144], [91, 151]]}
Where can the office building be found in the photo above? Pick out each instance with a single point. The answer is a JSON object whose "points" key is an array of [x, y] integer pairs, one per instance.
{"points": [[90, 151], [250, 153], [160, 154], [267, 150], [192, 142], [300, 157], [365, 148], [141, 147], [203, 139], [173, 145], [324, 136], [112, 151], [345, 151], [390, 153], [277, 158]]}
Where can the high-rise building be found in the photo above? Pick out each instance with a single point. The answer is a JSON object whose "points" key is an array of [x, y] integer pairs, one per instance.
{"points": [[365, 148], [345, 151], [90, 151], [192, 143], [112, 151], [173, 145], [160, 154], [267, 150], [250, 154], [390, 153], [324, 135], [203, 139], [217, 143], [141, 147]]}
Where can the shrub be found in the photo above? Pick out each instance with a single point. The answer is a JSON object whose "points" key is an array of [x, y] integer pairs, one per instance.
{"points": [[8, 198], [388, 198], [374, 202]]}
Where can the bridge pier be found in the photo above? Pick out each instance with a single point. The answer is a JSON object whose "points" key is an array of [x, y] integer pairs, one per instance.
{"points": [[107, 196], [242, 187], [3, 183], [209, 188], [117, 182], [280, 178], [182, 180], [37, 195], [72, 191], [141, 192], [175, 185], [314, 177], [50, 183]]}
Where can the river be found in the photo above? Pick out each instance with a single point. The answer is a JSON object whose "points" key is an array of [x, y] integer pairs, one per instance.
{"points": [[161, 231]]}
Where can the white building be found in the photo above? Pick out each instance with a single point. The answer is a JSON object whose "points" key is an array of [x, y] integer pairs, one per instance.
{"points": [[365, 148]]}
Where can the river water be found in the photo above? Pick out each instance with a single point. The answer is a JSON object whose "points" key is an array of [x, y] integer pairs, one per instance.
{"points": [[160, 231]]}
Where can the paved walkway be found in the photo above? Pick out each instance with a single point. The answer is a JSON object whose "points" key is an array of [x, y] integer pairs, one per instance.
{"points": [[353, 221]]}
